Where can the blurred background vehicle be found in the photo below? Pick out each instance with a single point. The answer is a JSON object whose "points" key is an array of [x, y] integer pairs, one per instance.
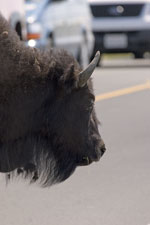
{"points": [[121, 26], [63, 24], [15, 14]]}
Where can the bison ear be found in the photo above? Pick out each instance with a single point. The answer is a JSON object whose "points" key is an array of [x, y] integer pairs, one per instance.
{"points": [[85, 74]]}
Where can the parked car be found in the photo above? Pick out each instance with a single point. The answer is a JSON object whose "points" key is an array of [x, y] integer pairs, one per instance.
{"points": [[15, 14], [63, 24], [121, 26]]}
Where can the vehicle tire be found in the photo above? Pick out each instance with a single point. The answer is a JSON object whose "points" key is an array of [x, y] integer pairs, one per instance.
{"points": [[51, 41], [83, 55], [139, 55], [19, 30]]}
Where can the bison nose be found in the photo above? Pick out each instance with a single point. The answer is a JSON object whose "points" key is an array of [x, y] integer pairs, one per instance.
{"points": [[92, 157], [100, 151], [96, 155], [103, 148]]}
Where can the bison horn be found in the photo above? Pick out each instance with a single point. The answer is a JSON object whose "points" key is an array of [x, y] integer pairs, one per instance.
{"points": [[85, 74]]}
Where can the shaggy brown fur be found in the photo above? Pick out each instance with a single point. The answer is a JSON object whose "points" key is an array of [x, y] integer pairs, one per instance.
{"points": [[47, 123]]}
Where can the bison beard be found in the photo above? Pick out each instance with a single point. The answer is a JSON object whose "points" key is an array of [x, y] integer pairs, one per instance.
{"points": [[37, 161], [48, 126]]}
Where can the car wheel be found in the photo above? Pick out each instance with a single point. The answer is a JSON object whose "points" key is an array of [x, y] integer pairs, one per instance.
{"points": [[51, 41], [19, 30], [139, 55]]}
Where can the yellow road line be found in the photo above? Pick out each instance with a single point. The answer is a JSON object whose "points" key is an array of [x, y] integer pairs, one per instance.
{"points": [[124, 91]]}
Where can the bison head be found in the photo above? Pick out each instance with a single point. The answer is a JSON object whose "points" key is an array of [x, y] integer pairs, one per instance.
{"points": [[72, 124], [48, 122]]}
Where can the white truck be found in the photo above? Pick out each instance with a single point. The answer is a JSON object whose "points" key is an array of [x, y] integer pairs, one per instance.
{"points": [[14, 12], [121, 26]]}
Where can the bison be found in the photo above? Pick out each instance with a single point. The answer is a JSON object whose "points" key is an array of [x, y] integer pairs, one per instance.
{"points": [[48, 124]]}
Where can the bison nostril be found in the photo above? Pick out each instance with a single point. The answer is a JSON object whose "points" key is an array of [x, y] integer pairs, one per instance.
{"points": [[103, 149]]}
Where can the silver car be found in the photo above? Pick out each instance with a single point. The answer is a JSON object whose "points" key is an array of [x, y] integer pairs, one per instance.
{"points": [[63, 24]]}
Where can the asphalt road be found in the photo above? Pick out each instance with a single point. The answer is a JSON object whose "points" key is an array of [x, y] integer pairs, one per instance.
{"points": [[115, 191]]}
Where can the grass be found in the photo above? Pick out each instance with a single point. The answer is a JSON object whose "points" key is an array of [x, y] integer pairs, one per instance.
{"points": [[117, 55]]}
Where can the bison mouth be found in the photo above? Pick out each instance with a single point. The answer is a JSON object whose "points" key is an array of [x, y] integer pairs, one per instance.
{"points": [[86, 160]]}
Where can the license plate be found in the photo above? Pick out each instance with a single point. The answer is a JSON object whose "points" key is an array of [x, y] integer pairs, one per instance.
{"points": [[112, 41]]}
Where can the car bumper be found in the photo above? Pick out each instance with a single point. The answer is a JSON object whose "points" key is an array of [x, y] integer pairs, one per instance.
{"points": [[136, 41]]}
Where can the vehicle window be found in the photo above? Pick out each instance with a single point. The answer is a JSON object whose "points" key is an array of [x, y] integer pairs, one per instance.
{"points": [[33, 1], [57, 0]]}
